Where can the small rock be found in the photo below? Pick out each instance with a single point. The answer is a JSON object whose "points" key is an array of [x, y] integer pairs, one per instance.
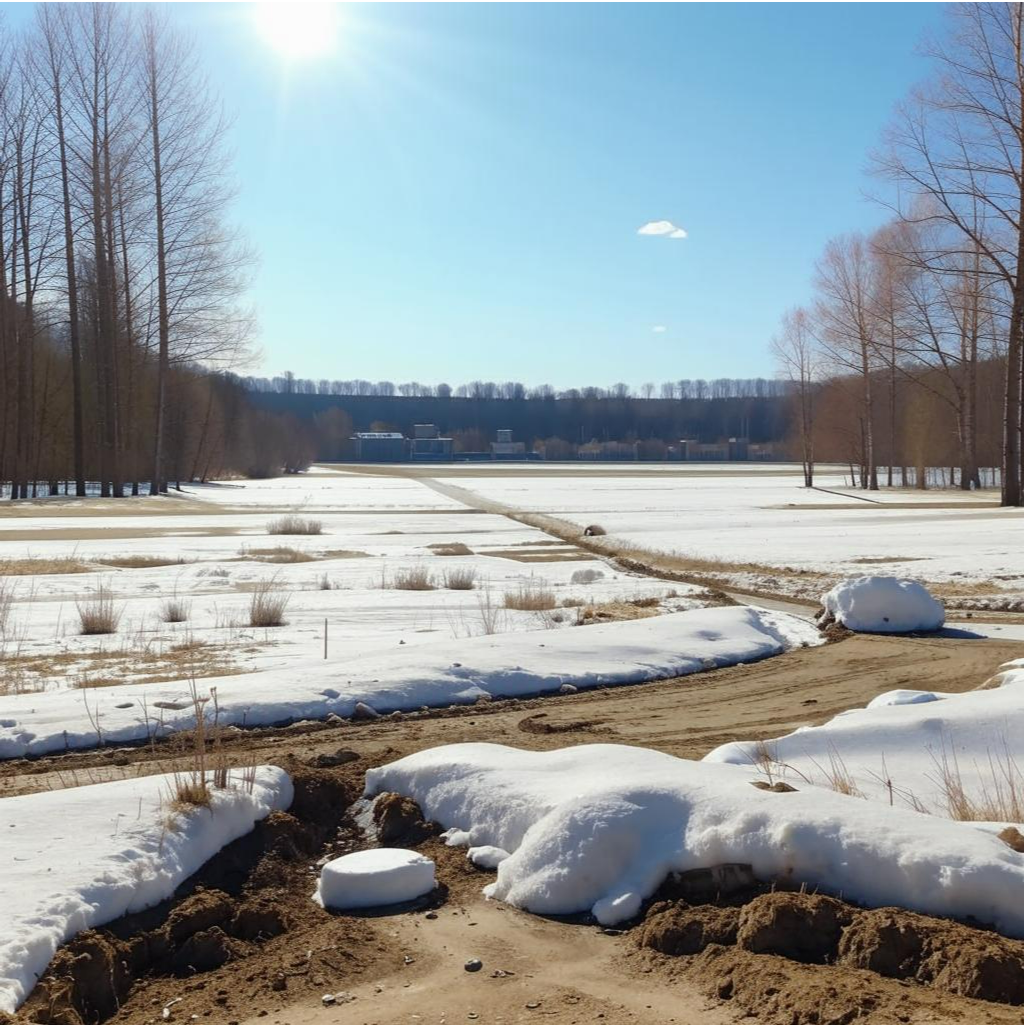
{"points": [[278, 983], [567, 688], [363, 711], [327, 999], [474, 964], [431, 915]]}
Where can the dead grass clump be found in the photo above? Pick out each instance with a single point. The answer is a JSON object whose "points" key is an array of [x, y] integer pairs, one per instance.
{"points": [[139, 562], [414, 578], [175, 610], [530, 596], [99, 614], [293, 523], [999, 795], [450, 548], [838, 777], [464, 578], [42, 567], [6, 603], [267, 604], [615, 612], [281, 553]]}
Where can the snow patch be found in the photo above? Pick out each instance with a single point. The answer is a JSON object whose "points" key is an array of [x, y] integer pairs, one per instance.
{"points": [[884, 605], [78, 858], [598, 827], [374, 878]]}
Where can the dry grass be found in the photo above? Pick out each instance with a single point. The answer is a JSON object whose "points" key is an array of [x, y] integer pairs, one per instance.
{"points": [[99, 614], [279, 554], [175, 610], [414, 578], [490, 612], [463, 578], [42, 567], [617, 611], [293, 523], [999, 796], [6, 603], [837, 776], [267, 604], [450, 548], [140, 562], [530, 596]]}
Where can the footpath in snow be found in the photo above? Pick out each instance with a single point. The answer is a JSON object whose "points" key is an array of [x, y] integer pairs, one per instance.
{"points": [[598, 827], [433, 675], [75, 859], [912, 748]]}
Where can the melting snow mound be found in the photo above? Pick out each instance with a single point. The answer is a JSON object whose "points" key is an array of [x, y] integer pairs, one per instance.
{"points": [[599, 827], [370, 879], [883, 605]]}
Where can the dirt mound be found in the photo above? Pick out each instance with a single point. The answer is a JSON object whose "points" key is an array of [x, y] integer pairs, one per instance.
{"points": [[801, 926], [86, 983], [945, 955], [678, 929], [201, 911], [202, 952], [399, 818], [261, 917], [1013, 838]]}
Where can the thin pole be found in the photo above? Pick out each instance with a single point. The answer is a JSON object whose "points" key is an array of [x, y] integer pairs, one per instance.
{"points": [[325, 637]]}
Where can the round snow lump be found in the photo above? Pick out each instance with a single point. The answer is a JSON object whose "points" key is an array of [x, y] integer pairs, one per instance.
{"points": [[883, 605], [368, 879]]}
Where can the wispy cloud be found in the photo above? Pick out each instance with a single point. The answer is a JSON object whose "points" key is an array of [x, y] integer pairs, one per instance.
{"points": [[664, 228], [659, 329]]}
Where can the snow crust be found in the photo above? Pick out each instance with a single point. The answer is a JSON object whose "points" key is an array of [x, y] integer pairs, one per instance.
{"points": [[374, 878], [884, 605], [77, 858], [904, 737], [598, 827], [439, 673]]}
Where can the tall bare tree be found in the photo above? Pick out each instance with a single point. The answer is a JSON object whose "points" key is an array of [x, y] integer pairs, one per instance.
{"points": [[797, 358]]}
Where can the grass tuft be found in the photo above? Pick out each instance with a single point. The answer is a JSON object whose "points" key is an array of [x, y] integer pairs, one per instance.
{"points": [[293, 523], [463, 578], [99, 614], [530, 596], [267, 604], [414, 578]]}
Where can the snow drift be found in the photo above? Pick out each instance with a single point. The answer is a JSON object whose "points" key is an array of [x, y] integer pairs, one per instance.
{"points": [[78, 858], [883, 605], [374, 878], [895, 749], [437, 674], [598, 827]]}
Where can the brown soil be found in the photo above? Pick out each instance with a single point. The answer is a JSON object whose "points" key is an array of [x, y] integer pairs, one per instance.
{"points": [[278, 953]]}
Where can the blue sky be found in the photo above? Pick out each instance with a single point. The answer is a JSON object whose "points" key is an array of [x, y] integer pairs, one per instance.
{"points": [[454, 191]]}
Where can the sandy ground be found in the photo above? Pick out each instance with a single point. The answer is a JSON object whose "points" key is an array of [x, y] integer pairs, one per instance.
{"points": [[408, 967]]}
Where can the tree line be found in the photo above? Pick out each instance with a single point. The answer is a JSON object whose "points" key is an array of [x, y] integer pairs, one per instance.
{"points": [[910, 353], [120, 277]]}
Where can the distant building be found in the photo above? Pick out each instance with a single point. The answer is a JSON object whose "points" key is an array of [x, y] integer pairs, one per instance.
{"points": [[379, 447], [503, 447], [428, 445]]}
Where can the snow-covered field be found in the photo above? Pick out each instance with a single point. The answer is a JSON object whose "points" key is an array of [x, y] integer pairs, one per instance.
{"points": [[78, 858], [760, 517]]}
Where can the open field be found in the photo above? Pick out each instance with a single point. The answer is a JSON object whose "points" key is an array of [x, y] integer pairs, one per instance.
{"points": [[453, 596]]}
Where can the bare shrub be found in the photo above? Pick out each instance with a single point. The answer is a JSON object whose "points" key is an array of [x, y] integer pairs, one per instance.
{"points": [[324, 584], [267, 604], [175, 609], [413, 578], [6, 603], [293, 523], [99, 614], [489, 610], [463, 578], [586, 576], [530, 596]]}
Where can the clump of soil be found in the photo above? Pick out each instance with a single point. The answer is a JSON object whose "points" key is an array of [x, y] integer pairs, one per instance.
{"points": [[1013, 838], [801, 926], [399, 819], [814, 929]]}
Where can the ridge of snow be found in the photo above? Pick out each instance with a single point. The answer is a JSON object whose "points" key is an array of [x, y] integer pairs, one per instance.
{"points": [[435, 674], [598, 827], [883, 605], [78, 858]]}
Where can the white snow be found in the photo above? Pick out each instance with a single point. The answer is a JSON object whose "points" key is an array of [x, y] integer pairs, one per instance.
{"points": [[883, 605], [434, 674], [374, 878], [894, 750], [77, 858], [598, 827]]}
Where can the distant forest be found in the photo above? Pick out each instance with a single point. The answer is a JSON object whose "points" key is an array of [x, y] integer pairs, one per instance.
{"points": [[558, 422]]}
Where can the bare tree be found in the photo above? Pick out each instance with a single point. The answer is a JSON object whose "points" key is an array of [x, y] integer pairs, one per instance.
{"points": [[797, 359]]}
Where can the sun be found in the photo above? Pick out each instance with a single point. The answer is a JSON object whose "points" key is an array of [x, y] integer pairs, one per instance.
{"points": [[298, 31]]}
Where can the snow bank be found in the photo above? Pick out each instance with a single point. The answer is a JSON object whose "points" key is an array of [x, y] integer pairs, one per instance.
{"points": [[598, 827], [883, 605], [78, 858], [370, 879], [904, 736], [436, 674]]}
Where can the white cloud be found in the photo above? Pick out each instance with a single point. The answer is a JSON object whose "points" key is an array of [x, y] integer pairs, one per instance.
{"points": [[659, 329], [664, 228]]}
